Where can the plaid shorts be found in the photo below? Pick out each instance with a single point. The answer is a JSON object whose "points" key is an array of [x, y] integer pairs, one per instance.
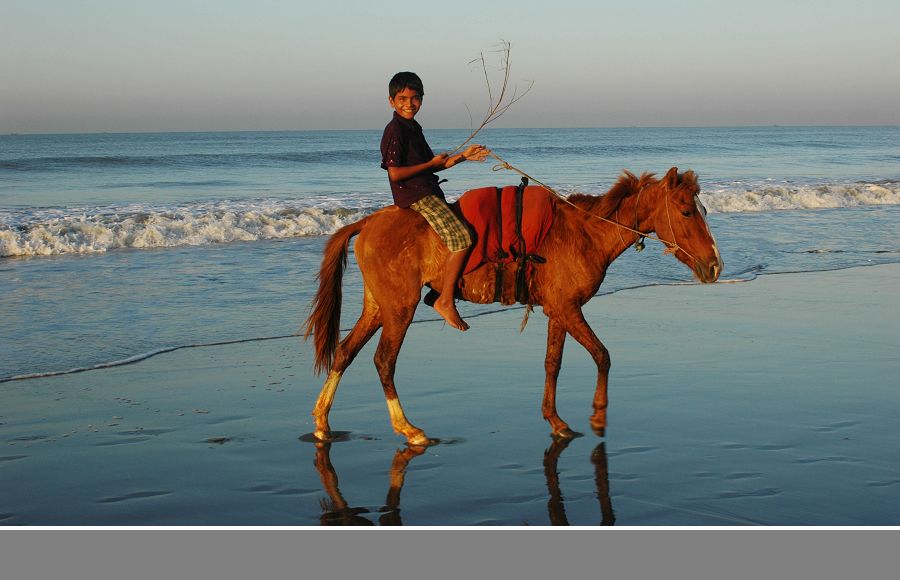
{"points": [[450, 228]]}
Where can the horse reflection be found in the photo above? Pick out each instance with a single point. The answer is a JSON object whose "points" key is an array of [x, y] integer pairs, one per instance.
{"points": [[337, 512], [556, 505]]}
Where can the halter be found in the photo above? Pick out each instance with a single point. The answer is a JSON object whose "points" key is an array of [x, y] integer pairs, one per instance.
{"points": [[671, 247]]}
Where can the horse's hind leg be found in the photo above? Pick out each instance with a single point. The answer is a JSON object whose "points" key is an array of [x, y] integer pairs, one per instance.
{"points": [[392, 335], [369, 322], [556, 336]]}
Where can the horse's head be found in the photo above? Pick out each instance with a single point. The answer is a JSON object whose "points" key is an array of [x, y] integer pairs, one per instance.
{"points": [[680, 220]]}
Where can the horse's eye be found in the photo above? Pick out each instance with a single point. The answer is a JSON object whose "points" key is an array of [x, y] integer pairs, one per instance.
{"points": [[686, 213]]}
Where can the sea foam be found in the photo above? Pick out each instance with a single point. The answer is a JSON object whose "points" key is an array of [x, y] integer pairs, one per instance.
{"points": [[734, 198], [48, 231], [88, 234]]}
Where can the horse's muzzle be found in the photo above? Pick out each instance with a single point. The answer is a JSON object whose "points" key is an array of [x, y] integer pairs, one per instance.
{"points": [[708, 272]]}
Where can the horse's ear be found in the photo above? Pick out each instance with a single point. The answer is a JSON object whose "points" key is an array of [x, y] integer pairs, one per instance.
{"points": [[672, 178]]}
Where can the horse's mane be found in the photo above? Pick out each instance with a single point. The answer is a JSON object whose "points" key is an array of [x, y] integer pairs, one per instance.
{"points": [[605, 205]]}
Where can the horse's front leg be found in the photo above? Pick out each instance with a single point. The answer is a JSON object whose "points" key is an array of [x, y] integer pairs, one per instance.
{"points": [[392, 335], [556, 337], [577, 326]]}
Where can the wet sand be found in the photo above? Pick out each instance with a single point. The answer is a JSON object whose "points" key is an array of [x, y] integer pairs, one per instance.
{"points": [[771, 402]]}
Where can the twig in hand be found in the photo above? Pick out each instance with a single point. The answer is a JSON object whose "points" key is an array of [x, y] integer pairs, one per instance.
{"points": [[495, 109]]}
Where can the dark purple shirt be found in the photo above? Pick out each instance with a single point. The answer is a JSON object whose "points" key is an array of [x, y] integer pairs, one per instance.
{"points": [[403, 144]]}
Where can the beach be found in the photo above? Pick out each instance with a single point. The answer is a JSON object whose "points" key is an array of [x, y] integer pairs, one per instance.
{"points": [[766, 402]]}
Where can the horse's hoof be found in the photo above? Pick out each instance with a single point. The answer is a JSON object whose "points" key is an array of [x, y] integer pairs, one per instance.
{"points": [[325, 436], [598, 430], [421, 441], [565, 434]]}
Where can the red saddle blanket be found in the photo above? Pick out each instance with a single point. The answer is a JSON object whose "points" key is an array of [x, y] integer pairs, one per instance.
{"points": [[492, 215]]}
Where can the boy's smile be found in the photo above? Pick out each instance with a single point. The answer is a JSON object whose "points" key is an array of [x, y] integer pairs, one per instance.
{"points": [[406, 102]]}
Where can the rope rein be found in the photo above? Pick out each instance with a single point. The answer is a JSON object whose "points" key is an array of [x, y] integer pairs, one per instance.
{"points": [[671, 247]]}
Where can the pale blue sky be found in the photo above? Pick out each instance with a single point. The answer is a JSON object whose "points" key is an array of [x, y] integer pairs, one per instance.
{"points": [[190, 65]]}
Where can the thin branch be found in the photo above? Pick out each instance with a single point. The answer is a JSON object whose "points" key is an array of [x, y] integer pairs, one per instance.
{"points": [[471, 120], [502, 104]]}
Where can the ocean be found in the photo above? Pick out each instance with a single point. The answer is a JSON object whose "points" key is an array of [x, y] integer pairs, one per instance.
{"points": [[116, 247]]}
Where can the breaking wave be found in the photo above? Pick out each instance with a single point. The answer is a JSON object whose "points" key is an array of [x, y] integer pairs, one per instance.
{"points": [[61, 232], [47, 231], [733, 198]]}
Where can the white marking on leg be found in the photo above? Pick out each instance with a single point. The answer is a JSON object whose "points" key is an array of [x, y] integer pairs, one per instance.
{"points": [[326, 397], [414, 435], [396, 412]]}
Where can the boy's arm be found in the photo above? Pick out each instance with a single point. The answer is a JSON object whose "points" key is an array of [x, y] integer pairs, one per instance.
{"points": [[438, 163], [402, 173]]}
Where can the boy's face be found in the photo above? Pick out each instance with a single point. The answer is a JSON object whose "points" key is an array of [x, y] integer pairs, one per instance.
{"points": [[407, 103]]}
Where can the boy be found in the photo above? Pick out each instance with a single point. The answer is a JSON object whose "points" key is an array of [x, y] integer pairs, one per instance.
{"points": [[411, 167]]}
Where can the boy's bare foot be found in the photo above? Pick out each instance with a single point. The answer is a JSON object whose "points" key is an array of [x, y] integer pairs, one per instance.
{"points": [[447, 309]]}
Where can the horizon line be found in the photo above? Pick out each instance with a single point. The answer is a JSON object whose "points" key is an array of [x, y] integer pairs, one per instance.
{"points": [[687, 126]]}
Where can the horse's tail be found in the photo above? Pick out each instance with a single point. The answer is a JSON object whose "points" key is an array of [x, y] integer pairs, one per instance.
{"points": [[325, 318]]}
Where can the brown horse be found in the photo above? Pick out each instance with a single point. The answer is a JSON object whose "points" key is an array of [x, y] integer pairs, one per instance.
{"points": [[398, 253]]}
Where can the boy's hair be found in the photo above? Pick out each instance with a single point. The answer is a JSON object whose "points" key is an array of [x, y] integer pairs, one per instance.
{"points": [[405, 80]]}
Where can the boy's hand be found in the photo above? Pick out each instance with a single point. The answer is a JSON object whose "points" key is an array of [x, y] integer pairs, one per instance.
{"points": [[476, 153]]}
